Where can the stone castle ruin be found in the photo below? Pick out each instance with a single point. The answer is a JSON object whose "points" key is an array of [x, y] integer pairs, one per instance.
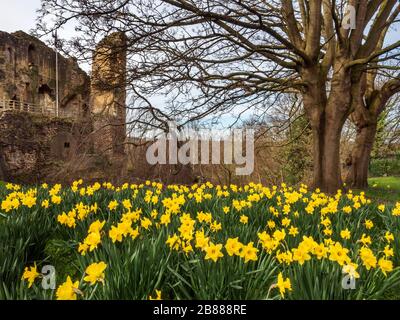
{"points": [[28, 78], [84, 136], [108, 96]]}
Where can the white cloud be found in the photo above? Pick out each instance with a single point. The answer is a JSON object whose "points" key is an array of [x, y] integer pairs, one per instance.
{"points": [[18, 14]]}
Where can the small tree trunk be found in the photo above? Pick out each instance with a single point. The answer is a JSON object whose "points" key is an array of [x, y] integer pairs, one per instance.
{"points": [[357, 176]]}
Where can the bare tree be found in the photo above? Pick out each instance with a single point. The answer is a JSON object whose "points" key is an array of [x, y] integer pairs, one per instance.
{"points": [[220, 56], [378, 85]]}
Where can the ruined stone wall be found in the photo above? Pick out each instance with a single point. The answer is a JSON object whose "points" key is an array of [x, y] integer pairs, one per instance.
{"points": [[34, 148], [28, 74]]}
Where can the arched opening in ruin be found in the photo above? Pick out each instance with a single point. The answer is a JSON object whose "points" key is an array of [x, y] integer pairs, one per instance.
{"points": [[46, 100], [44, 89], [31, 54]]}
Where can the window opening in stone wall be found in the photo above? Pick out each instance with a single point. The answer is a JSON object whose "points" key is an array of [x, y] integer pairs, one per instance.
{"points": [[31, 54]]}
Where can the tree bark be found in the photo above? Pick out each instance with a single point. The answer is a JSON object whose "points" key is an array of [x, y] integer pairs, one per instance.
{"points": [[357, 175], [332, 175], [326, 152], [327, 117], [326, 155], [365, 117]]}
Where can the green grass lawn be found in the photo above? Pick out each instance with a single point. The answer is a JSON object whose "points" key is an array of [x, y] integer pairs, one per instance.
{"points": [[386, 189]]}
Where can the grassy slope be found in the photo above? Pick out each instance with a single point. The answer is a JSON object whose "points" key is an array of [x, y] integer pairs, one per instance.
{"points": [[385, 189]]}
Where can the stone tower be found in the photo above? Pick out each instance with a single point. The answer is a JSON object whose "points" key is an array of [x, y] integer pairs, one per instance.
{"points": [[108, 97]]}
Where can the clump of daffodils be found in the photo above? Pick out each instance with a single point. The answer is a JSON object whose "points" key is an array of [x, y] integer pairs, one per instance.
{"points": [[217, 228]]}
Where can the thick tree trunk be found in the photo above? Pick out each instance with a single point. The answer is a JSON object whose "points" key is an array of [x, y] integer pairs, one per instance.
{"points": [[332, 176], [327, 124], [326, 153], [327, 117], [318, 130], [357, 176]]}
